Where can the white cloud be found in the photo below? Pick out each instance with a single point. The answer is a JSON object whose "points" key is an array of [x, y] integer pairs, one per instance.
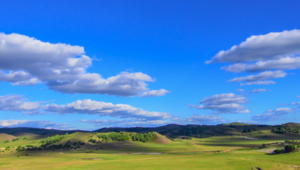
{"points": [[30, 82], [62, 67], [261, 76], [273, 51], [19, 104], [258, 83], [286, 63], [275, 114], [240, 90], [124, 84], [273, 45], [227, 103], [160, 92], [88, 106], [298, 96], [258, 90], [14, 76], [33, 124]]}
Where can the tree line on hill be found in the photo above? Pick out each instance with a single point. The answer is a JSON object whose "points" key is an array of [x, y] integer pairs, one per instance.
{"points": [[122, 136], [53, 139], [66, 146], [282, 129]]}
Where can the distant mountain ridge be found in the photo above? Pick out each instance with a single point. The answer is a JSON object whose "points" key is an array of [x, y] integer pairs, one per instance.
{"points": [[171, 130]]}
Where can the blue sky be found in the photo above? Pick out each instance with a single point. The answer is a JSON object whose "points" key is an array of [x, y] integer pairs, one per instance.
{"points": [[87, 65]]}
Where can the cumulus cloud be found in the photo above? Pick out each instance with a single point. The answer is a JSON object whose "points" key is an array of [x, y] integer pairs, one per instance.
{"points": [[258, 83], [286, 63], [19, 104], [272, 51], [30, 82], [273, 45], [227, 103], [62, 67], [160, 92], [275, 114], [261, 76], [14, 76], [258, 90], [88, 106], [33, 124]]}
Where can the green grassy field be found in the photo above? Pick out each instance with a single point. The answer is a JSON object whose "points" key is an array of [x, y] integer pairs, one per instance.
{"points": [[223, 152]]}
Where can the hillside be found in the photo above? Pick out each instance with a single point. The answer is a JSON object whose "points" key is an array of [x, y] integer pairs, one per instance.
{"points": [[160, 139], [4, 137], [170, 131]]}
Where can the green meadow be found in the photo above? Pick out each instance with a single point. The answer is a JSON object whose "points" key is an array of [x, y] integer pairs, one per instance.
{"points": [[214, 152]]}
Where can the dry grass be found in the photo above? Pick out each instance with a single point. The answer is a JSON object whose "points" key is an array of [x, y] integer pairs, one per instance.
{"points": [[4, 137], [160, 139]]}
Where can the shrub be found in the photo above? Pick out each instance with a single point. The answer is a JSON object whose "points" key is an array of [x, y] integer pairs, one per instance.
{"points": [[15, 139], [277, 151], [20, 149], [92, 140]]}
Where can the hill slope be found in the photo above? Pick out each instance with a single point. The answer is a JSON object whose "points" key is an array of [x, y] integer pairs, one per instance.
{"points": [[160, 139], [4, 137]]}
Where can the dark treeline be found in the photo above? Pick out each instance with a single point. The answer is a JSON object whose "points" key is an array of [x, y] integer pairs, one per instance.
{"points": [[249, 130], [198, 131], [123, 136], [282, 129], [68, 145]]}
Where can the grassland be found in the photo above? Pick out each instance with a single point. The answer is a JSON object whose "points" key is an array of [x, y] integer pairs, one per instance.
{"points": [[217, 152]]}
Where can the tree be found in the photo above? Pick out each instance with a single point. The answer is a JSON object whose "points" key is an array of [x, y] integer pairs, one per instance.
{"points": [[290, 148]]}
